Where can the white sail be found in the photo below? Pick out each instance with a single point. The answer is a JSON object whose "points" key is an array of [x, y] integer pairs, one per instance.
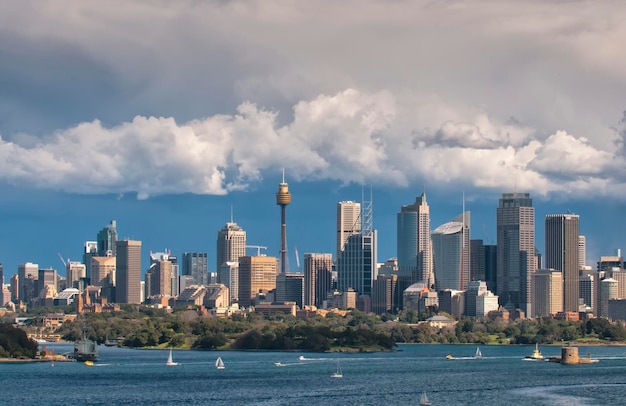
{"points": [[170, 361], [219, 364], [337, 374]]}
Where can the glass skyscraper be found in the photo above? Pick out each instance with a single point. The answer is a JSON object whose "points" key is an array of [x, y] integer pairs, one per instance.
{"points": [[515, 219], [415, 262]]}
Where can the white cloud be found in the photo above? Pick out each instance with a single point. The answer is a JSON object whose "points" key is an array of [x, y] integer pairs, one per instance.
{"points": [[352, 136]]}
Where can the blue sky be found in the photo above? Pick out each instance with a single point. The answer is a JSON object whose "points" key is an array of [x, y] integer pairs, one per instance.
{"points": [[161, 115]]}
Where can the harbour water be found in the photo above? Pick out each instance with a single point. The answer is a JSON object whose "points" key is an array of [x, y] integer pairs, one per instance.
{"points": [[140, 377]]}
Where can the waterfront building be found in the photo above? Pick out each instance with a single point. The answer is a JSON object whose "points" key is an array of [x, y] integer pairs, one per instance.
{"points": [[196, 264], [415, 262], [128, 270], [318, 269], [231, 244], [451, 253], [562, 254], [515, 222], [256, 274], [547, 293], [106, 240]]}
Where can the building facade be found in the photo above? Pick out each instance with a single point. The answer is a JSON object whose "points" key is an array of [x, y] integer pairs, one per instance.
{"points": [[107, 239], [348, 222], [318, 268], [256, 274], [231, 244], [547, 293], [415, 262], [128, 270], [515, 222], [451, 253], [562, 254], [196, 264]]}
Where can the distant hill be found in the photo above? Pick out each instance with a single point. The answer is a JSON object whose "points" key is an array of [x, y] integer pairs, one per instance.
{"points": [[15, 343]]}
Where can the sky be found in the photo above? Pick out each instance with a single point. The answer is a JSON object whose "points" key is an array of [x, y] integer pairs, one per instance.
{"points": [[163, 115]]}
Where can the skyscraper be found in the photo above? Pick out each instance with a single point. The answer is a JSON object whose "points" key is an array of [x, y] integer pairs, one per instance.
{"points": [[562, 254], [415, 262], [103, 271], [256, 274], [582, 251], [547, 292], [128, 265], [107, 237], [515, 219], [451, 253], [357, 261], [348, 222], [318, 269], [196, 264], [231, 244], [28, 274]]}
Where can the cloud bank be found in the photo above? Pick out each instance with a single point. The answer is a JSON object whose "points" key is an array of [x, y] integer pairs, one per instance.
{"points": [[160, 97], [351, 136]]}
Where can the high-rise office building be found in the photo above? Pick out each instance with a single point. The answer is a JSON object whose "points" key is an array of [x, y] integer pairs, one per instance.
{"points": [[357, 263], [587, 288], [451, 253], [385, 295], [28, 273], [74, 272], [415, 262], [562, 254], [196, 264], [107, 237], [547, 292], [348, 222], [290, 288], [477, 261], [608, 290], [128, 270], [256, 274], [515, 220], [102, 271], [228, 275], [47, 277], [318, 268], [582, 251], [231, 244]]}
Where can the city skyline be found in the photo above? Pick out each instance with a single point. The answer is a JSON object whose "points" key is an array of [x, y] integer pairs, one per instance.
{"points": [[155, 115]]}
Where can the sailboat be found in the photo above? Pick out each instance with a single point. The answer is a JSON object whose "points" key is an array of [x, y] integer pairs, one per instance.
{"points": [[219, 364], [478, 353], [170, 362], [424, 400], [337, 374]]}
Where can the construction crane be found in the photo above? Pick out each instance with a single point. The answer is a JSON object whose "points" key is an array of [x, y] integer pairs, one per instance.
{"points": [[62, 260], [297, 259], [258, 249]]}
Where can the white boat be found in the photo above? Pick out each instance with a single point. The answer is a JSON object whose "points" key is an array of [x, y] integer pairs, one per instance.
{"points": [[219, 364], [424, 400], [337, 374], [170, 361], [301, 358], [279, 364], [478, 353], [536, 355]]}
